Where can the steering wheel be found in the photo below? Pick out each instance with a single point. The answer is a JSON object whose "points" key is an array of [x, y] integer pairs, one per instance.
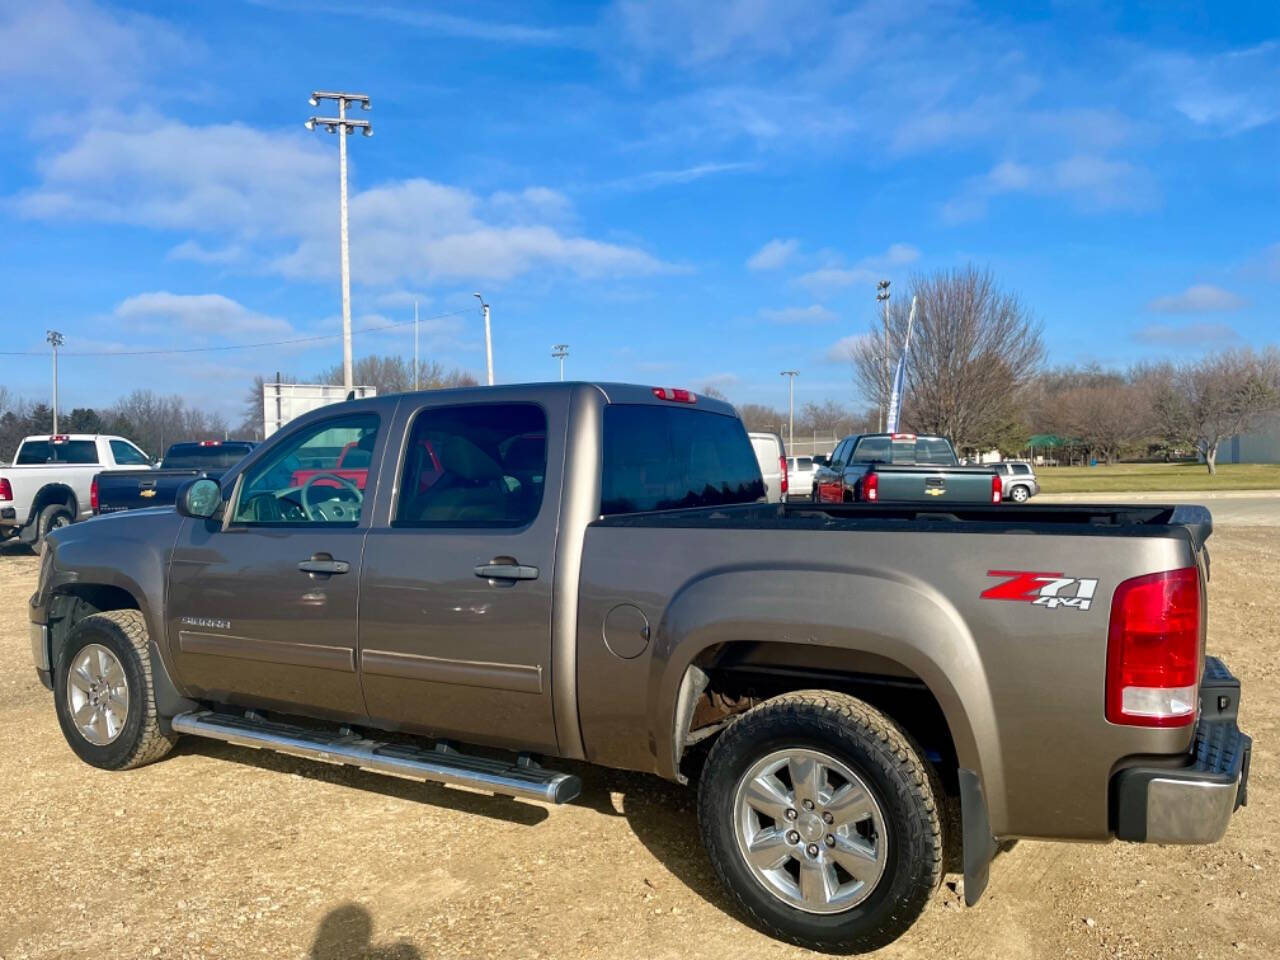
{"points": [[317, 513]]}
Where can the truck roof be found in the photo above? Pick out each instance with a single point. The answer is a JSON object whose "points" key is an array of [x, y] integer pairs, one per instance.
{"points": [[612, 392], [74, 436]]}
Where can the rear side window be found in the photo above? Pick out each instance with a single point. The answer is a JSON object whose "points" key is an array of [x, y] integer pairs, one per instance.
{"points": [[66, 451], [1021, 469], [804, 463], [474, 465], [127, 453], [658, 458]]}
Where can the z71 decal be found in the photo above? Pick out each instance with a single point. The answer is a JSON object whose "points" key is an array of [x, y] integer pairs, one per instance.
{"points": [[1050, 590]]}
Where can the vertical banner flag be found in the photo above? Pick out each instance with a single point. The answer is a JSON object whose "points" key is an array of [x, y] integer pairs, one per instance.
{"points": [[899, 376]]}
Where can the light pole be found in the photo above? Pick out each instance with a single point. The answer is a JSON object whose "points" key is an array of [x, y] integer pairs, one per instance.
{"points": [[882, 295], [488, 339], [415, 345], [343, 128], [791, 405], [55, 340], [559, 352]]}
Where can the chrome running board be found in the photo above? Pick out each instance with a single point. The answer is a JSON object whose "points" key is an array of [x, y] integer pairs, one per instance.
{"points": [[439, 764]]}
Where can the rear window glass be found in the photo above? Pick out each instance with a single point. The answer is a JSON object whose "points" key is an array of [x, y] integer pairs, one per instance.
{"points": [[192, 456], [802, 463], [68, 451], [658, 458], [904, 451]]}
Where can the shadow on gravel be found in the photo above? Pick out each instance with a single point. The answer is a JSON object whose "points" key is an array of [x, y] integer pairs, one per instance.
{"points": [[13, 548], [414, 791], [346, 933]]}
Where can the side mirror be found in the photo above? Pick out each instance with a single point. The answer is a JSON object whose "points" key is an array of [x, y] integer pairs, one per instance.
{"points": [[199, 498]]}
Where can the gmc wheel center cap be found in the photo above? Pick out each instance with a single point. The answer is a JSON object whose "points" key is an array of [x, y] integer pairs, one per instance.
{"points": [[811, 827]]}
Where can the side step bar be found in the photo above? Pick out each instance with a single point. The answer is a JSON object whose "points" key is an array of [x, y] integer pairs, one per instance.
{"points": [[441, 764]]}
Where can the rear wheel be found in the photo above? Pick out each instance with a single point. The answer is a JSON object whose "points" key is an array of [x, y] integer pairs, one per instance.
{"points": [[1020, 494], [53, 517], [822, 821], [103, 694]]}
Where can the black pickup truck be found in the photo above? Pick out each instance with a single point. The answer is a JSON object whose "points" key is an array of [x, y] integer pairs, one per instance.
{"points": [[130, 489]]}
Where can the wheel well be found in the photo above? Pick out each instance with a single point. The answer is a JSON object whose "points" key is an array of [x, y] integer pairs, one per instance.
{"points": [[740, 675], [54, 493], [76, 601]]}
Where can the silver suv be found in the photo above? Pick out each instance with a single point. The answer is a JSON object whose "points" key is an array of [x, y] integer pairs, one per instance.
{"points": [[1018, 479]]}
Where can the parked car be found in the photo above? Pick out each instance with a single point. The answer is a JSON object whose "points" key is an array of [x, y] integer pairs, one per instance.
{"points": [[51, 481], [800, 477], [583, 571], [1017, 480], [130, 489], [772, 457], [899, 467]]}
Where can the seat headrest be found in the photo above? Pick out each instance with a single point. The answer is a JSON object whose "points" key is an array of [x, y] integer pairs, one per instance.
{"points": [[460, 456]]}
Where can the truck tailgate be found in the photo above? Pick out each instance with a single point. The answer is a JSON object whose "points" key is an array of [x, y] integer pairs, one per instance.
{"points": [[941, 484]]}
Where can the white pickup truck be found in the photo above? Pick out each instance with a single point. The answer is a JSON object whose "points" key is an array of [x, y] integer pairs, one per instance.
{"points": [[51, 482]]}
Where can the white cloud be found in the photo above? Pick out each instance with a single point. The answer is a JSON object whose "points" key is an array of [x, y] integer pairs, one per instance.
{"points": [[1186, 335], [653, 179], [260, 191], [815, 313], [199, 315], [196, 253], [1198, 298], [1226, 93], [842, 350], [773, 255], [435, 22], [835, 276], [1093, 183]]}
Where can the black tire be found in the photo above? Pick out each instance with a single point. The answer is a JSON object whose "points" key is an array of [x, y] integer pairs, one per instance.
{"points": [[140, 739], [52, 517], [904, 785], [1020, 494]]}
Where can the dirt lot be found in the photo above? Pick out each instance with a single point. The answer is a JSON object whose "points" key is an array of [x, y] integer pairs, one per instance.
{"points": [[224, 852]]}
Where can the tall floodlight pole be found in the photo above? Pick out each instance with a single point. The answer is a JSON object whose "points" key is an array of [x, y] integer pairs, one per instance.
{"points": [[488, 338], [55, 340], [343, 128], [415, 345], [559, 352], [791, 405], [882, 295]]}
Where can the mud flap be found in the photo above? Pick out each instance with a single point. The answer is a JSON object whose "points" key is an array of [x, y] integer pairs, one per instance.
{"points": [[979, 845]]}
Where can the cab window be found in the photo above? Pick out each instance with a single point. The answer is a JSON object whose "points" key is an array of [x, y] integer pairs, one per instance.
{"points": [[126, 453], [474, 465], [317, 476]]}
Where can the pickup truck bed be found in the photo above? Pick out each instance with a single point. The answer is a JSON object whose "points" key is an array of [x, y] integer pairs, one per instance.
{"points": [[583, 571]]}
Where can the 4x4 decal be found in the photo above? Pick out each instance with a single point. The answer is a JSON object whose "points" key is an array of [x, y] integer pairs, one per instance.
{"points": [[1043, 589]]}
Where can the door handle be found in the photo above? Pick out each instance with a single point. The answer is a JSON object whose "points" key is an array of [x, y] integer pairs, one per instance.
{"points": [[507, 571], [323, 565]]}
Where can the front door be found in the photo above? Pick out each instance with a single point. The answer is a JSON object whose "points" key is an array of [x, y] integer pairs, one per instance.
{"points": [[262, 607], [455, 595]]}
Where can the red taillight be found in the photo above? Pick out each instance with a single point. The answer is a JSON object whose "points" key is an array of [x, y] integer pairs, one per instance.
{"points": [[59, 438], [93, 495], [782, 468], [871, 487], [210, 443], [997, 489], [675, 395], [902, 436], [6, 489], [1153, 650]]}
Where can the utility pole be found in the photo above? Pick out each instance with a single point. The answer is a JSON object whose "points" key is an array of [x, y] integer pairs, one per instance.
{"points": [[55, 340], [559, 352], [488, 338], [791, 405], [415, 345], [882, 295], [343, 128]]}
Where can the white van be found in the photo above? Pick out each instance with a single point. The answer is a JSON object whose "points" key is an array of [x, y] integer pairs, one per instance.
{"points": [[772, 456]]}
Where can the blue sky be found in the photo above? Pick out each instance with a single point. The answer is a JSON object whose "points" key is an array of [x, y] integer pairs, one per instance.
{"points": [[686, 193]]}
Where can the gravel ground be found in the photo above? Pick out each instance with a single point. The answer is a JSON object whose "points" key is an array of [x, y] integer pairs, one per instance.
{"points": [[222, 852]]}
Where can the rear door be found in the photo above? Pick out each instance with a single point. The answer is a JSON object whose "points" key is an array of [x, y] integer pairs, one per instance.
{"points": [[456, 588], [262, 608]]}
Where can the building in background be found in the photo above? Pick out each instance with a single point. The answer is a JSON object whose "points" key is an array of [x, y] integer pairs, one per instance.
{"points": [[1261, 445]]}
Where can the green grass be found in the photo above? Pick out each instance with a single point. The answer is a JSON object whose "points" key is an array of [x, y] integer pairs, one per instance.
{"points": [[1139, 477]]}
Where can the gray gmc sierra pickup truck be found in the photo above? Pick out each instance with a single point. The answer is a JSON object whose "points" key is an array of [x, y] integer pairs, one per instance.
{"points": [[862, 692]]}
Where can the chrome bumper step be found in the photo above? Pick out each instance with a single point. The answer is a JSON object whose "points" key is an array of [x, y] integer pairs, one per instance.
{"points": [[439, 764]]}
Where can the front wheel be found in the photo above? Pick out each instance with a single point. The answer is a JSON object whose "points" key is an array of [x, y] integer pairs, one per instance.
{"points": [[103, 694], [821, 820]]}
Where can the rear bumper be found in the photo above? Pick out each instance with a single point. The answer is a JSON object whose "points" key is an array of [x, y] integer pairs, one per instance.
{"points": [[1191, 802]]}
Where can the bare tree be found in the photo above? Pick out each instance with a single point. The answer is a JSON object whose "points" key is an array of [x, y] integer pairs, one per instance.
{"points": [[974, 350], [1106, 417], [394, 374], [1226, 394], [757, 416]]}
